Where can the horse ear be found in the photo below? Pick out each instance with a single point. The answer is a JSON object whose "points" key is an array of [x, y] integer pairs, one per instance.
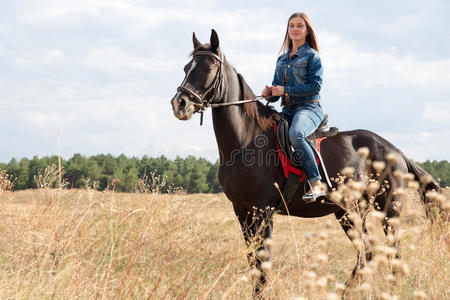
{"points": [[214, 40], [195, 41]]}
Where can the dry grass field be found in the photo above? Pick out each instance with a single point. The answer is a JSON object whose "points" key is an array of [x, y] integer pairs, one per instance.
{"points": [[65, 244]]}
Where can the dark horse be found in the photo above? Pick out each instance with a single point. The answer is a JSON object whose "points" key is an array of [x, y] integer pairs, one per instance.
{"points": [[249, 166]]}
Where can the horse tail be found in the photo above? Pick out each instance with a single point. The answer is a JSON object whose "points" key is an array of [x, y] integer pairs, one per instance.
{"points": [[423, 177], [427, 183]]}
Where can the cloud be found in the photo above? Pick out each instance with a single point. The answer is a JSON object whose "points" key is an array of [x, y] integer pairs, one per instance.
{"points": [[104, 71], [114, 114], [117, 59], [344, 62], [4, 28], [135, 16], [421, 146], [50, 11], [34, 59], [437, 112], [54, 55]]}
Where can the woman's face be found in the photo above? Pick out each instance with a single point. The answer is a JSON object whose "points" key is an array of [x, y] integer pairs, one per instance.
{"points": [[297, 29]]}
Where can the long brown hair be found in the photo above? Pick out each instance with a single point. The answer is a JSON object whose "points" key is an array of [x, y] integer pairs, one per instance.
{"points": [[310, 37]]}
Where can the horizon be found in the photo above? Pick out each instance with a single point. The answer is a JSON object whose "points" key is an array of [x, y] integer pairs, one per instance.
{"points": [[148, 156]]}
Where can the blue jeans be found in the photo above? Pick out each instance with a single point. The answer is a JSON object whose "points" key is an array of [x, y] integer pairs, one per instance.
{"points": [[305, 120]]}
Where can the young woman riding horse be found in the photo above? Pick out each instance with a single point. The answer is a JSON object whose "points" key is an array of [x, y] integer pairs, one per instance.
{"points": [[298, 79], [244, 127]]}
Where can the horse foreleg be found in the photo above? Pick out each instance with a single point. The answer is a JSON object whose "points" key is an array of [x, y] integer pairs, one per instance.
{"points": [[257, 230]]}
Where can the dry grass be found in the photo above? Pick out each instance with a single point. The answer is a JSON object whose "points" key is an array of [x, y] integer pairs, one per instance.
{"points": [[85, 244]]}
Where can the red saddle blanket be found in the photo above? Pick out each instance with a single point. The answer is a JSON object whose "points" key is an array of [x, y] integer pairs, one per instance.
{"points": [[286, 162]]}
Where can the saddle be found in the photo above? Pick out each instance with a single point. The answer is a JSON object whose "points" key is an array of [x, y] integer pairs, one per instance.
{"points": [[282, 136]]}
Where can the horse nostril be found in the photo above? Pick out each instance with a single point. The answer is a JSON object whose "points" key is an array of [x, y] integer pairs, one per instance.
{"points": [[182, 103]]}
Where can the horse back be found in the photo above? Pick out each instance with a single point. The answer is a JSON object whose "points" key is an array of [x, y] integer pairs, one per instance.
{"points": [[342, 150]]}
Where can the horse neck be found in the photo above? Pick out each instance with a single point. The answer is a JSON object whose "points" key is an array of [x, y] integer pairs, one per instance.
{"points": [[232, 127]]}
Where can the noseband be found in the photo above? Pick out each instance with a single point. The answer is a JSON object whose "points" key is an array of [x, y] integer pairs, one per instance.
{"points": [[215, 89]]}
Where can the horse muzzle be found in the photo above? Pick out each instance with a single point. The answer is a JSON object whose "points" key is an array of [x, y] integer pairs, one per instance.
{"points": [[182, 107]]}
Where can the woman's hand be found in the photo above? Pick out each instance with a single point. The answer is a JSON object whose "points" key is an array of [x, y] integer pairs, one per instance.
{"points": [[277, 90], [266, 92]]}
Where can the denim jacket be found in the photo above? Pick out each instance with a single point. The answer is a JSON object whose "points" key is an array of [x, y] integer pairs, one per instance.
{"points": [[301, 75]]}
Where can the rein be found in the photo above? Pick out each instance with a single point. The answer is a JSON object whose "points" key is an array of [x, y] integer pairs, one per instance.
{"points": [[214, 105], [215, 87]]}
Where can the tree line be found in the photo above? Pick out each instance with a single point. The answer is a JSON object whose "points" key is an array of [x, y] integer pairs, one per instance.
{"points": [[121, 173], [439, 170], [129, 174]]}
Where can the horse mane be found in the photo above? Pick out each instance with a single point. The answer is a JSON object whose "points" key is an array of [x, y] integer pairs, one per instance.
{"points": [[264, 116]]}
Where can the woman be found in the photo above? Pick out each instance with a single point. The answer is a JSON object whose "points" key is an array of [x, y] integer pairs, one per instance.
{"points": [[298, 79]]}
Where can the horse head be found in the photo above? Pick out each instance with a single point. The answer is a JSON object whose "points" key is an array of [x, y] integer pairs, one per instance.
{"points": [[202, 84]]}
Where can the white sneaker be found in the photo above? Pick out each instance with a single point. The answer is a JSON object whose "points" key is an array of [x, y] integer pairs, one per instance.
{"points": [[312, 195]]}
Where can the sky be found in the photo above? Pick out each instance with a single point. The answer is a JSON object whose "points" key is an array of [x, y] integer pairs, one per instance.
{"points": [[104, 72]]}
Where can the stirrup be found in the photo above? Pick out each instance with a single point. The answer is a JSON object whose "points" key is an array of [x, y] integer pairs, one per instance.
{"points": [[312, 196]]}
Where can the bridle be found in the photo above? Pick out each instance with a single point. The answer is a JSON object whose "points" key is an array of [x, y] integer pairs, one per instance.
{"points": [[215, 89]]}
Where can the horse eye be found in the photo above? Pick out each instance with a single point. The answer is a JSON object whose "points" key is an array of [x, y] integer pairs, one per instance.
{"points": [[209, 67]]}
